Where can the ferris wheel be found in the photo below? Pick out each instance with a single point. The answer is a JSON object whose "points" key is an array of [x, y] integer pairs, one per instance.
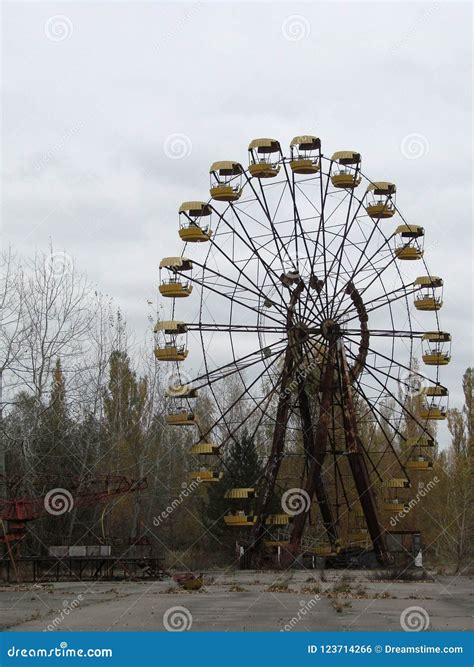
{"points": [[301, 278]]}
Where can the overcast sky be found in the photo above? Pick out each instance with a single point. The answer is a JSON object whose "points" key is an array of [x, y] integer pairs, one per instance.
{"points": [[94, 95]]}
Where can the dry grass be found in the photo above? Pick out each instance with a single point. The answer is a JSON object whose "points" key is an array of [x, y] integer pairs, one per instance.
{"points": [[341, 605], [280, 587], [403, 575]]}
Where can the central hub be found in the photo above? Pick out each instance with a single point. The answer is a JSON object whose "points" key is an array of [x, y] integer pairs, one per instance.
{"points": [[300, 332], [330, 330]]}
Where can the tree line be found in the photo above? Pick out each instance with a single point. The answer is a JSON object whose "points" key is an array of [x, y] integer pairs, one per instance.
{"points": [[81, 401]]}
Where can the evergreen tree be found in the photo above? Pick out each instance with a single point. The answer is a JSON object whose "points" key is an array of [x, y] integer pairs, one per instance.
{"points": [[242, 469]]}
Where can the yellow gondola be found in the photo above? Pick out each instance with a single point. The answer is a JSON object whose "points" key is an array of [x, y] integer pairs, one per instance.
{"points": [[394, 505], [380, 199], [393, 502], [181, 418], [435, 409], [357, 526], [421, 463], [240, 519], [325, 550], [190, 215], [226, 180], [408, 253], [433, 412], [277, 543], [437, 354], [421, 441], [397, 483], [421, 454], [205, 448], [239, 493], [170, 327], [435, 358], [171, 352], [358, 535], [174, 287], [429, 300], [206, 476], [181, 391], [435, 390], [348, 174], [305, 154], [262, 162], [277, 520], [409, 233]]}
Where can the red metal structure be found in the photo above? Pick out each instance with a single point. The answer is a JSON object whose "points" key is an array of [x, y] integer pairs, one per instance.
{"points": [[16, 513]]}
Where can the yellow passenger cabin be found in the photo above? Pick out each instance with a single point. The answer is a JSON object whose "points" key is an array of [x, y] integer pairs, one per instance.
{"points": [[173, 285], [436, 348], [195, 222], [429, 296], [181, 418], [380, 200], [305, 154], [207, 476], [409, 246], [264, 157], [226, 180], [345, 169]]}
